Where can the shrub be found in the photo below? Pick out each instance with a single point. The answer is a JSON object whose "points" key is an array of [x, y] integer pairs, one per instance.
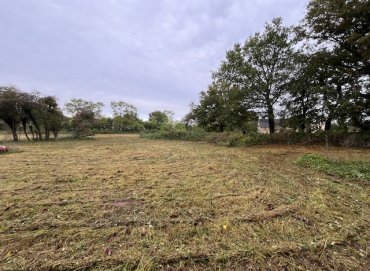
{"points": [[189, 135], [237, 139]]}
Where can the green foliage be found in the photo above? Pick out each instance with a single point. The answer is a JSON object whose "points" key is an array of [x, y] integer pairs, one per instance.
{"points": [[188, 135], [317, 74], [83, 123], [344, 27], [35, 113], [221, 108], [125, 118], [121, 108], [261, 68], [341, 29], [159, 118], [237, 139], [346, 169], [75, 106]]}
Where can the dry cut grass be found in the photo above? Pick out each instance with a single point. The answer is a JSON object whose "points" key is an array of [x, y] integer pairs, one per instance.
{"points": [[125, 203]]}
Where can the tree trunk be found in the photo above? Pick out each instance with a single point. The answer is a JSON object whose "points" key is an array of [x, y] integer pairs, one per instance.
{"points": [[222, 127], [55, 133], [341, 113], [328, 124], [271, 118], [47, 134], [33, 134], [14, 132], [24, 124], [302, 126]]}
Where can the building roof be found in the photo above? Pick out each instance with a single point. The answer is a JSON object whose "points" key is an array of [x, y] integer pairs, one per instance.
{"points": [[264, 123]]}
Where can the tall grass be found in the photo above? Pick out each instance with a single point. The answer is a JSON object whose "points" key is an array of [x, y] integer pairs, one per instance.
{"points": [[237, 139], [345, 169]]}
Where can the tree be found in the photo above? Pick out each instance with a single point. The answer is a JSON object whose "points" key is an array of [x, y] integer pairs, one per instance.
{"points": [[302, 101], [105, 124], [10, 108], [31, 111], [262, 68], [342, 26], [341, 30], [121, 108], [83, 122], [85, 115], [222, 108], [75, 106], [125, 117], [51, 116], [159, 118]]}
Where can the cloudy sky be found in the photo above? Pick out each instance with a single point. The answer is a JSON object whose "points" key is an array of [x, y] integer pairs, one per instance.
{"points": [[154, 54]]}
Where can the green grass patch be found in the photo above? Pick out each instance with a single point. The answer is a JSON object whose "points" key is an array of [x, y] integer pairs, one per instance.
{"points": [[341, 168]]}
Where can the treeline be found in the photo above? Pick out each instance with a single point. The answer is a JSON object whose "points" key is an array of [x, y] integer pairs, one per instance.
{"points": [[39, 117], [311, 77]]}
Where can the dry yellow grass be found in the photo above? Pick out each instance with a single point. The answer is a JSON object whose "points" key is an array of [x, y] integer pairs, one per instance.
{"points": [[125, 203]]}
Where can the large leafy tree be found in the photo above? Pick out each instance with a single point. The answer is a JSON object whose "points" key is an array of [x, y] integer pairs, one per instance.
{"points": [[341, 30], [343, 26], [221, 108], [303, 103], [262, 68]]}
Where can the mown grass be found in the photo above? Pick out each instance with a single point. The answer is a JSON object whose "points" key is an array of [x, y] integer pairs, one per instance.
{"points": [[125, 203]]}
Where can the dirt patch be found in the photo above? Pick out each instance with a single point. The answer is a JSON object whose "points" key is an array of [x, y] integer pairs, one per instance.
{"points": [[127, 202]]}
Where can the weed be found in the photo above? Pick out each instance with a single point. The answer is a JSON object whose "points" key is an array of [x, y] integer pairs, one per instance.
{"points": [[341, 168]]}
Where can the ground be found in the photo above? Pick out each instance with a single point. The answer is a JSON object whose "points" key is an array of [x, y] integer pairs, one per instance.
{"points": [[126, 203]]}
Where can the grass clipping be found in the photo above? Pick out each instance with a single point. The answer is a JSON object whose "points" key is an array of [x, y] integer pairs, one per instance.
{"points": [[121, 202]]}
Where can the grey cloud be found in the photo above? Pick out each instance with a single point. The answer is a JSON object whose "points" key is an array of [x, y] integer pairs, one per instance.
{"points": [[155, 54]]}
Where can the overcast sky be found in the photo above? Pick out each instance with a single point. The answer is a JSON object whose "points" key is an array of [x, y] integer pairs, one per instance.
{"points": [[155, 54]]}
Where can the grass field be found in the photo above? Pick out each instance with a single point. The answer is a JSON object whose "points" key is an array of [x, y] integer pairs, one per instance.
{"points": [[125, 203]]}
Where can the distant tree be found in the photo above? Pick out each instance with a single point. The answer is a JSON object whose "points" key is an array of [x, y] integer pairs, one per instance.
{"points": [[84, 116], [159, 118], [125, 118], [31, 111], [75, 106], [50, 115], [121, 108], [10, 108], [105, 124], [83, 122]]}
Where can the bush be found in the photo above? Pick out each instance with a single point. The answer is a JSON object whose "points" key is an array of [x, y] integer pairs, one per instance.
{"points": [[237, 139], [188, 135]]}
